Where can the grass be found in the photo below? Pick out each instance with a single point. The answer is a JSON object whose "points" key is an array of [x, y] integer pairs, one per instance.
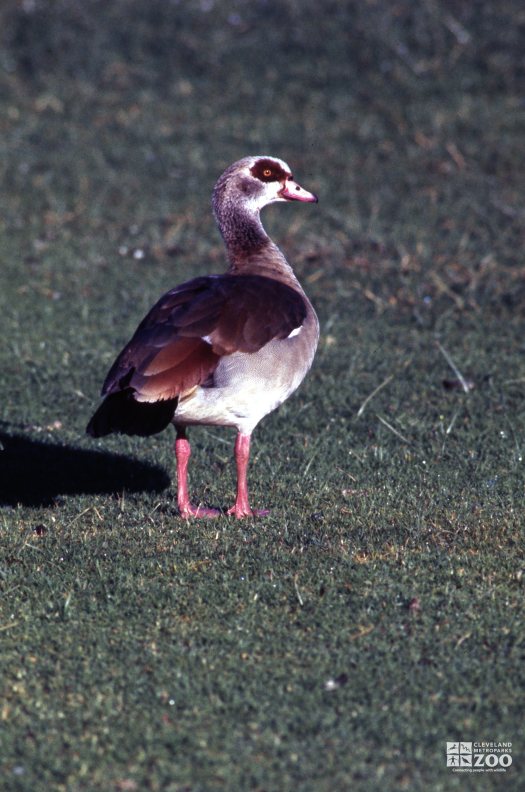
{"points": [[378, 611]]}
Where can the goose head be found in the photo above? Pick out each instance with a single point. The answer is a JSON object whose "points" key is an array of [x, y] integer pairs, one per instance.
{"points": [[254, 182]]}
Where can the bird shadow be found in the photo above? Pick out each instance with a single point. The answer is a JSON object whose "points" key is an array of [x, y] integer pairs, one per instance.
{"points": [[34, 473]]}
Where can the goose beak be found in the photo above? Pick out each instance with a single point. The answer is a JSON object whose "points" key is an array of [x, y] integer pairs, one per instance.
{"points": [[291, 191]]}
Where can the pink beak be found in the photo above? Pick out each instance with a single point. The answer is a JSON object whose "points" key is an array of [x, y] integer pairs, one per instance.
{"points": [[292, 191]]}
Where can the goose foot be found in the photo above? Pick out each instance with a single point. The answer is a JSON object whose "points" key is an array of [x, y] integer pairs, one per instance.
{"points": [[241, 511]]}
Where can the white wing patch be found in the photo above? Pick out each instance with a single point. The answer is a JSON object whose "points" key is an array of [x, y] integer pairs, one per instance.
{"points": [[295, 332]]}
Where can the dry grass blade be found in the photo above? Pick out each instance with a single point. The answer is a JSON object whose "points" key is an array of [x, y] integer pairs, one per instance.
{"points": [[464, 384], [374, 393], [393, 429]]}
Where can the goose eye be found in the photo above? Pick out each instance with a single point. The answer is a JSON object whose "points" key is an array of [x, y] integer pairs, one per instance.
{"points": [[267, 172]]}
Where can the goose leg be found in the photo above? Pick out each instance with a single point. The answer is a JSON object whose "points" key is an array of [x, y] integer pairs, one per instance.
{"points": [[182, 455], [242, 455]]}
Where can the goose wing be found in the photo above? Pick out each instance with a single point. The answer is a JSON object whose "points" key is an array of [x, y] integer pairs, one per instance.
{"points": [[179, 343]]}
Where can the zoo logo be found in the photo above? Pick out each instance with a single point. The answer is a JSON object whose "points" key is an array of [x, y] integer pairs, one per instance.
{"points": [[479, 757]]}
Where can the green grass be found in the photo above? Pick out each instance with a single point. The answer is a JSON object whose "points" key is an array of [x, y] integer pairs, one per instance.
{"points": [[378, 611]]}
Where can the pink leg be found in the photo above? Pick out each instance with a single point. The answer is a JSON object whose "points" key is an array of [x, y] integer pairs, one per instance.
{"points": [[242, 456], [182, 454]]}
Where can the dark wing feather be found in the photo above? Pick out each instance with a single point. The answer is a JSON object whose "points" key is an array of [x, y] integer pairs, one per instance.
{"points": [[120, 412]]}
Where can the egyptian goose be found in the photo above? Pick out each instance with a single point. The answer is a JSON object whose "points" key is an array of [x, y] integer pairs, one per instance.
{"points": [[221, 350]]}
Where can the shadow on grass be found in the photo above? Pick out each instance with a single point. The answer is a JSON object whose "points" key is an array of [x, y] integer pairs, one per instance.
{"points": [[34, 473]]}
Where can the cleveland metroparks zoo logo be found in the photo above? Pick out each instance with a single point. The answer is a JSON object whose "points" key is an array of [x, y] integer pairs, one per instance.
{"points": [[479, 757]]}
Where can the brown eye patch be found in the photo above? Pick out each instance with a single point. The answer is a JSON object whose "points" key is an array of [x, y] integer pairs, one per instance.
{"points": [[268, 170]]}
